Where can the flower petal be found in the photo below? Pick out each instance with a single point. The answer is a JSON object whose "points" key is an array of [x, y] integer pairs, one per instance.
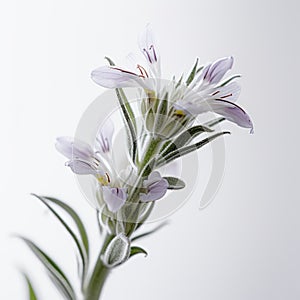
{"points": [[229, 92], [156, 186], [104, 136], [71, 148], [218, 69], [114, 77], [81, 167], [232, 112], [115, 198]]}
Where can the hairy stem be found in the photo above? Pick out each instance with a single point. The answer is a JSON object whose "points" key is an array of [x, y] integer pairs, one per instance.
{"points": [[98, 276]]}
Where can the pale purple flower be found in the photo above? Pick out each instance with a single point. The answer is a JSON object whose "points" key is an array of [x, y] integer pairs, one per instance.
{"points": [[114, 197], [205, 93], [121, 77], [156, 187], [209, 94], [104, 137], [83, 160]]}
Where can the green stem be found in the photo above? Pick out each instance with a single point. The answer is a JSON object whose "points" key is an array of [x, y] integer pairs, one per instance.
{"points": [[153, 144], [99, 275]]}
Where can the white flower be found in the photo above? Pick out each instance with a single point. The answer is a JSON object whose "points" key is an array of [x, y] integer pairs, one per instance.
{"points": [[83, 160], [205, 92]]}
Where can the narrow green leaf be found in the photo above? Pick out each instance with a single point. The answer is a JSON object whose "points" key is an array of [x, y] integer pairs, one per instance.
{"points": [[81, 249], [179, 82], [53, 269], [175, 183], [150, 120], [137, 250], [185, 150], [230, 79], [128, 115], [160, 116], [192, 74], [214, 122], [185, 138], [139, 236], [199, 69], [75, 217], [31, 292]]}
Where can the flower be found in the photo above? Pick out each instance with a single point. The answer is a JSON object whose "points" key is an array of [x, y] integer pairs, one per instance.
{"points": [[83, 160], [209, 94], [155, 186], [204, 93], [120, 77]]}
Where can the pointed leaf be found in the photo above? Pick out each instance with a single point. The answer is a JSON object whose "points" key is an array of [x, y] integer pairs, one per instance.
{"points": [[230, 79], [81, 249], [128, 115], [192, 74], [185, 150], [160, 116], [137, 250], [117, 251], [175, 183], [139, 236], [53, 269], [185, 138], [214, 122], [72, 213], [31, 292]]}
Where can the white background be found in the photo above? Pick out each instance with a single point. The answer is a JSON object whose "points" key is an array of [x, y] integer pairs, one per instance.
{"points": [[246, 244]]}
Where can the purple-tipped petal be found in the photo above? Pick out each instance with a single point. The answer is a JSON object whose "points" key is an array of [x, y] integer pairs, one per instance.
{"points": [[156, 187], [114, 77], [72, 148], [115, 198], [232, 112], [81, 167], [218, 69], [104, 136]]}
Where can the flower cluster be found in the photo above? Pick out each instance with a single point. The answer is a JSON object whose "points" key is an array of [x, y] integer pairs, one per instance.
{"points": [[169, 111]]}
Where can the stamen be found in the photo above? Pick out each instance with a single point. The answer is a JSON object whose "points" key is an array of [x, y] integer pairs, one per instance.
{"points": [[148, 55], [229, 95], [124, 71], [153, 51], [215, 93], [108, 178], [142, 71]]}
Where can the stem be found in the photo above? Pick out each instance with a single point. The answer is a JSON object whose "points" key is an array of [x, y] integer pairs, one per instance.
{"points": [[99, 275], [153, 144]]}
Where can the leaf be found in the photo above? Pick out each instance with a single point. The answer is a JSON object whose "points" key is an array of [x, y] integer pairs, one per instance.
{"points": [[230, 79], [150, 120], [72, 213], [139, 236], [192, 74], [31, 292], [137, 250], [185, 138], [117, 251], [160, 116], [55, 273], [128, 116], [185, 150], [175, 183], [214, 122], [82, 249], [179, 82]]}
